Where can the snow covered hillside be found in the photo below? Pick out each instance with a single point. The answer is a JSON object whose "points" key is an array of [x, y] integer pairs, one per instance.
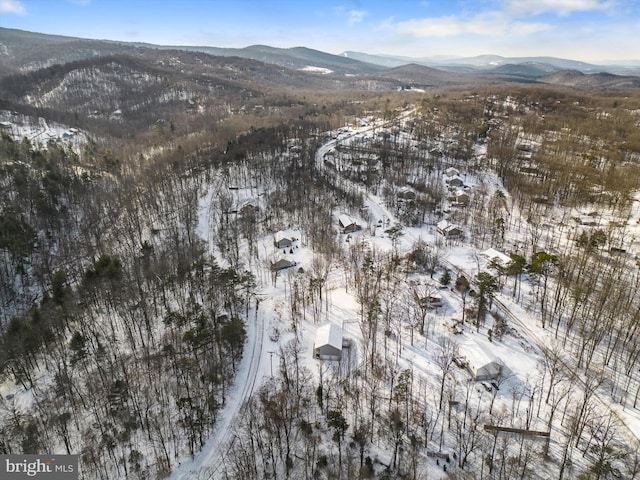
{"points": [[440, 289]]}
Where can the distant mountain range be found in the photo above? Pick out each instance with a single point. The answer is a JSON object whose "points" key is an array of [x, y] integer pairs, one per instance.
{"points": [[22, 51], [534, 66]]}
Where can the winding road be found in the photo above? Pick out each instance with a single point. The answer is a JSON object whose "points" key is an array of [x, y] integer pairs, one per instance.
{"points": [[211, 459], [503, 303]]}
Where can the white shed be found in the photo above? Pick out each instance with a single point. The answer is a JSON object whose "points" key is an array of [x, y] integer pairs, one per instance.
{"points": [[481, 363], [328, 345]]}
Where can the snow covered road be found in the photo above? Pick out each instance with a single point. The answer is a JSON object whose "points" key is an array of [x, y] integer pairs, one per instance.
{"points": [[210, 460]]}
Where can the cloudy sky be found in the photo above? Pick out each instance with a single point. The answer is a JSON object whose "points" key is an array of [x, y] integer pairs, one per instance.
{"points": [[589, 30]]}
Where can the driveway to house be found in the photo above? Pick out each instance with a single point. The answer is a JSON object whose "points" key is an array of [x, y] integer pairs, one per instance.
{"points": [[211, 459]]}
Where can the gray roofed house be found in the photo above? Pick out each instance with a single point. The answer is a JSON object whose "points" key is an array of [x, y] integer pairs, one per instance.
{"points": [[481, 363], [282, 264], [448, 230], [328, 344], [348, 224], [406, 193], [455, 181], [282, 241], [461, 197]]}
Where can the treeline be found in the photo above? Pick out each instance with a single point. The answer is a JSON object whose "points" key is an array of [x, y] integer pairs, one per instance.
{"points": [[18, 85], [52, 210]]}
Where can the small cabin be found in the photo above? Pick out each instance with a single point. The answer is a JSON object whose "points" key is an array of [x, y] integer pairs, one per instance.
{"points": [[461, 197], [455, 181], [249, 209], [431, 301], [428, 300], [448, 230], [347, 224], [497, 257], [481, 363], [406, 194], [282, 241]]}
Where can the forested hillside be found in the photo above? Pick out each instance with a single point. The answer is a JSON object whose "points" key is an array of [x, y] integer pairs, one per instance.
{"points": [[141, 198]]}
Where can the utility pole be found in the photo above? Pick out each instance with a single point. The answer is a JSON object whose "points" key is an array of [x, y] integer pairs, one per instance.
{"points": [[271, 360]]}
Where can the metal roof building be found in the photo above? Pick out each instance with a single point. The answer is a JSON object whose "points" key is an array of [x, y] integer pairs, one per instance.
{"points": [[328, 345]]}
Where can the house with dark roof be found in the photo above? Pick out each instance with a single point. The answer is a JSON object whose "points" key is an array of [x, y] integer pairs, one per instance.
{"points": [[282, 264], [455, 181], [281, 240], [448, 230]]}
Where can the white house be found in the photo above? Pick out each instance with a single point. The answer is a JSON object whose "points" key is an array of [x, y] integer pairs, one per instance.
{"points": [[481, 363], [328, 344], [452, 172]]}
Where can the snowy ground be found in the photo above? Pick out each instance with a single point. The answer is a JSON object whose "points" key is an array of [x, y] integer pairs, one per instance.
{"points": [[520, 349], [39, 132]]}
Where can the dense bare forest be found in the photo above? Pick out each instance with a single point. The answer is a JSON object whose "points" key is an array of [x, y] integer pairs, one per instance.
{"points": [[138, 267]]}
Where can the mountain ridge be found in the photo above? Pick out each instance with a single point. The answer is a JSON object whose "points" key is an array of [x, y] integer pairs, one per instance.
{"points": [[30, 51], [490, 61]]}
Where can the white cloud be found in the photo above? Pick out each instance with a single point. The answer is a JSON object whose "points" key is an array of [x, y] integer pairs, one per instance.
{"points": [[356, 16], [491, 24], [528, 28], [443, 27], [12, 6], [508, 18], [560, 7]]}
